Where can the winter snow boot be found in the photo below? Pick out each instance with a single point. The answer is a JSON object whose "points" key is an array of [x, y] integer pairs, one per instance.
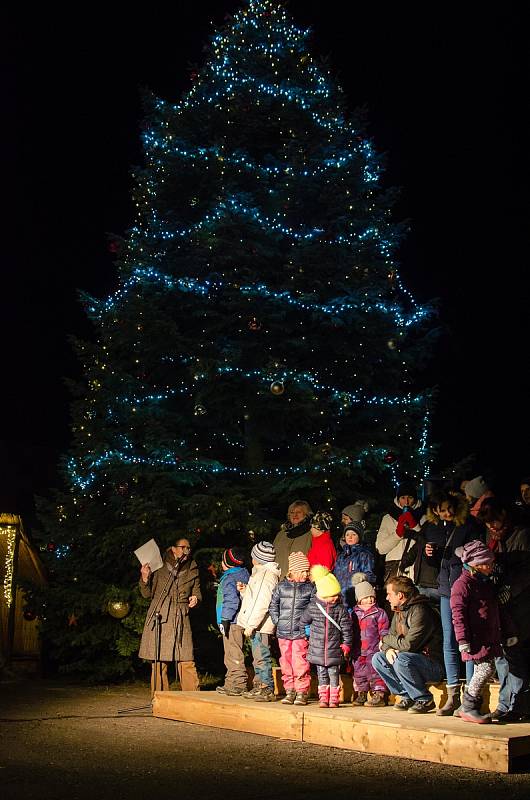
{"points": [[452, 703], [323, 696], [377, 699], [334, 693], [470, 710], [288, 700], [360, 699]]}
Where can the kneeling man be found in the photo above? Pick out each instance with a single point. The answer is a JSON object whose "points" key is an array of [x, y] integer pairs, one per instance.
{"points": [[411, 653]]}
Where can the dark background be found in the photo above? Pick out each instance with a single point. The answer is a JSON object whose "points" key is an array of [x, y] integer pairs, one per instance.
{"points": [[440, 82]]}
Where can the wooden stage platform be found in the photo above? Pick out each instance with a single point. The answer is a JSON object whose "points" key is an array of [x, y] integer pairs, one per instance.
{"points": [[382, 731]]}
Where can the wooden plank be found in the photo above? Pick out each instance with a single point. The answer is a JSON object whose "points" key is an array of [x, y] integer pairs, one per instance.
{"points": [[233, 713], [393, 738], [439, 691], [382, 731]]}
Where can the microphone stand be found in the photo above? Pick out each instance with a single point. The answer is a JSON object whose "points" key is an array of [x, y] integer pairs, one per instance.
{"points": [[156, 619]]}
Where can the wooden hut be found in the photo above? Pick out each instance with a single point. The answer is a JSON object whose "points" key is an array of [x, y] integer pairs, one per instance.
{"points": [[19, 560]]}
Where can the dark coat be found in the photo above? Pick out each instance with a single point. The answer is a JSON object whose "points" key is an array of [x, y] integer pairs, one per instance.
{"points": [[325, 638], [514, 557], [416, 628], [353, 558], [169, 593], [292, 539], [476, 619], [447, 536], [289, 600]]}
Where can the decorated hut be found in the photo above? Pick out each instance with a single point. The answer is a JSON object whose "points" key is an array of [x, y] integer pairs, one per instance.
{"points": [[19, 561]]}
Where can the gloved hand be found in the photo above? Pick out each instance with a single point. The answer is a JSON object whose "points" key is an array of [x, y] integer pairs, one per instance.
{"points": [[307, 629], [346, 650], [404, 523], [224, 627], [391, 655], [504, 594], [511, 641], [464, 647]]}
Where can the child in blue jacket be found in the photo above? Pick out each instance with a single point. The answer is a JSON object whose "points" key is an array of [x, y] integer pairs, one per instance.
{"points": [[227, 606]]}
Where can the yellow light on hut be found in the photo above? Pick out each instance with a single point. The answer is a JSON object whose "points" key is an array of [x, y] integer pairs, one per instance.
{"points": [[10, 532]]}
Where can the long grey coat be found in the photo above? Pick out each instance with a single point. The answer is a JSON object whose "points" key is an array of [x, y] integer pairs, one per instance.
{"points": [[176, 643]]}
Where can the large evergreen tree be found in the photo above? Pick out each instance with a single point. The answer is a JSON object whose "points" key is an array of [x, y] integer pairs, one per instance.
{"points": [[260, 345]]}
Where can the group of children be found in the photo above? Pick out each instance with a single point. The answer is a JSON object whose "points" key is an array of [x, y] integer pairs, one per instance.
{"points": [[312, 624]]}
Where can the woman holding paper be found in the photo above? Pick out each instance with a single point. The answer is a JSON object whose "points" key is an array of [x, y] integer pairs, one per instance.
{"points": [[174, 589]]}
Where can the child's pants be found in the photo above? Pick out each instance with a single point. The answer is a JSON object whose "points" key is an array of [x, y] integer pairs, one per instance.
{"points": [[294, 665], [328, 676], [236, 673], [365, 678], [482, 673], [261, 659]]}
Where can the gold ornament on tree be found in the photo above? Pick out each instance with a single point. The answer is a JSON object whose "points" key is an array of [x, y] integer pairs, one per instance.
{"points": [[277, 387], [118, 608]]}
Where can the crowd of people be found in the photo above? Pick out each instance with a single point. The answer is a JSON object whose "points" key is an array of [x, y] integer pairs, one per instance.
{"points": [[444, 593]]}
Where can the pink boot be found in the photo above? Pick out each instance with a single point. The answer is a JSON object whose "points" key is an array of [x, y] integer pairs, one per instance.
{"points": [[334, 697], [323, 696]]}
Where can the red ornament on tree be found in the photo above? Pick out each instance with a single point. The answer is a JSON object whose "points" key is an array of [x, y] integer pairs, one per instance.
{"points": [[389, 457], [51, 547], [29, 615], [254, 324]]}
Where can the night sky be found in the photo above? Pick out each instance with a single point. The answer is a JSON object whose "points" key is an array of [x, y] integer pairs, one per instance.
{"points": [[439, 81]]}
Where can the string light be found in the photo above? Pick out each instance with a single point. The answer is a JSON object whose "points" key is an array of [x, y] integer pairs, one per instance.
{"points": [[10, 534]]}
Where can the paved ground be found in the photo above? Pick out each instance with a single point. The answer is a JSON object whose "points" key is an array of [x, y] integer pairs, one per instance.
{"points": [[61, 741]]}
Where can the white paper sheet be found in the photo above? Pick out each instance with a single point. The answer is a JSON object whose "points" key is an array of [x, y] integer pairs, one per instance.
{"points": [[149, 553]]}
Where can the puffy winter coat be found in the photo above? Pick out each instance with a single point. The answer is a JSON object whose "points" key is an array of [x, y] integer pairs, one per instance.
{"points": [[353, 558], [476, 620], [373, 624], [325, 638], [388, 543], [228, 600], [289, 600], [254, 613]]}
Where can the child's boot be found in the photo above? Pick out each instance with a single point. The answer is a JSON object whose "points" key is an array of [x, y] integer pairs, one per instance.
{"points": [[334, 693], [323, 696], [360, 699], [376, 700], [452, 703], [470, 710]]}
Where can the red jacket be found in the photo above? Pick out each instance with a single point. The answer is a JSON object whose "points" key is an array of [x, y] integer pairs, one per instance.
{"points": [[322, 551]]}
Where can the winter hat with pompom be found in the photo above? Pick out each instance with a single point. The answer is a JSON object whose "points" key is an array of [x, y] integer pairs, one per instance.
{"points": [[362, 587], [326, 583]]}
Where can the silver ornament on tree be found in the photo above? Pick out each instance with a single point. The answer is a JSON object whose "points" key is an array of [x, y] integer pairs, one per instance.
{"points": [[199, 410], [277, 387]]}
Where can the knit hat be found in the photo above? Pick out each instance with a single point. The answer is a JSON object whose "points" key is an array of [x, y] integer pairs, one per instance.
{"points": [[354, 527], [362, 587], [475, 553], [321, 520], [298, 562], [234, 557], [263, 552], [476, 487], [405, 489], [326, 583], [356, 511]]}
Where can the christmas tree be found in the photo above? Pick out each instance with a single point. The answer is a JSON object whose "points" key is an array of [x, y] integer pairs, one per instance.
{"points": [[260, 345]]}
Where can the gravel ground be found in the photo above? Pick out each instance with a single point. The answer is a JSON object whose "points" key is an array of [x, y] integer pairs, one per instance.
{"points": [[63, 741]]}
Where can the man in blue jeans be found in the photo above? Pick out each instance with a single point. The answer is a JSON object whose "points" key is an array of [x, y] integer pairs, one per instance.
{"points": [[411, 653]]}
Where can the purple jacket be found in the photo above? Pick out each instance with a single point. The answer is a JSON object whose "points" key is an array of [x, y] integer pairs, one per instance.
{"points": [[373, 625], [476, 618]]}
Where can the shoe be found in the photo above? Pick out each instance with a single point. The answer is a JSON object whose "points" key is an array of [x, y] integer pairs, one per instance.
{"points": [[220, 689], [300, 699], [452, 704], [323, 696], [422, 706], [505, 717], [265, 695], [289, 697], [233, 691], [334, 694], [251, 693], [470, 710], [376, 700], [360, 699], [404, 704]]}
